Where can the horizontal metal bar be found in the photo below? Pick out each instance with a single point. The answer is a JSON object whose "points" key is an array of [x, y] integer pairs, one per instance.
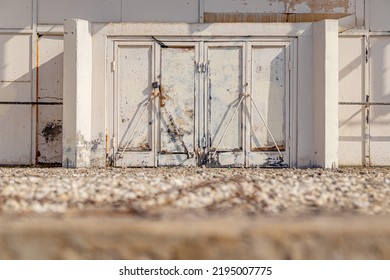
{"points": [[29, 103], [364, 103]]}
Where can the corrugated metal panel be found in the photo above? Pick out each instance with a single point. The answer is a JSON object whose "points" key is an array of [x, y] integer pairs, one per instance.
{"points": [[16, 14], [380, 92]]}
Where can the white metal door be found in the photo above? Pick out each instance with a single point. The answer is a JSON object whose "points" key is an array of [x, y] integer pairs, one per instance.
{"points": [[177, 103], [222, 104], [224, 95], [248, 113], [134, 113], [155, 103], [267, 104]]}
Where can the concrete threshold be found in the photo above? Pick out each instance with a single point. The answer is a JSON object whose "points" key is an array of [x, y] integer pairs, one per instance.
{"points": [[121, 237]]}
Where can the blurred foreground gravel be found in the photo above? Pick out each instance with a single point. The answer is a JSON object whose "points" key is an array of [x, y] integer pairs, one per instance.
{"points": [[146, 192]]}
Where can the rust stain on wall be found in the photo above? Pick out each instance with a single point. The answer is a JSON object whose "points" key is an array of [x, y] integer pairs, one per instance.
{"points": [[321, 6], [244, 17]]}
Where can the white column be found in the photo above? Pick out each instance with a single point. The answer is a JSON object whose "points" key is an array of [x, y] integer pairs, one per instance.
{"points": [[77, 93], [326, 93]]}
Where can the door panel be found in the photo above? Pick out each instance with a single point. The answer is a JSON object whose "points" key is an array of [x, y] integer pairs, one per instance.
{"points": [[267, 105], [134, 113], [177, 100], [225, 88], [268, 70]]}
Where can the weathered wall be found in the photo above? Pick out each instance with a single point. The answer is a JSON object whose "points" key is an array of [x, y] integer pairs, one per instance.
{"points": [[276, 10], [30, 67], [364, 89]]}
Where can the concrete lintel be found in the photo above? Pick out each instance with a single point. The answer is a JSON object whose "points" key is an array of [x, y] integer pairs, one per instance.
{"points": [[201, 30], [77, 93], [325, 36]]}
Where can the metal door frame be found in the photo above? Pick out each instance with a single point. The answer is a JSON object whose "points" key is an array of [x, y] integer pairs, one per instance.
{"points": [[201, 89]]}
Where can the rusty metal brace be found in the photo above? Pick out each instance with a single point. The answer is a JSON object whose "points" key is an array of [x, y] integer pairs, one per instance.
{"points": [[152, 95], [230, 122], [178, 131], [266, 126]]}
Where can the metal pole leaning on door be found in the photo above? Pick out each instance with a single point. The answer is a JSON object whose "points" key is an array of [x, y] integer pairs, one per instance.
{"points": [[230, 122], [152, 95], [266, 126], [177, 130]]}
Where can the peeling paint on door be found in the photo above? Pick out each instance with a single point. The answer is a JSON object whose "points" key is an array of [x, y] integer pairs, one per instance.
{"points": [[177, 100]]}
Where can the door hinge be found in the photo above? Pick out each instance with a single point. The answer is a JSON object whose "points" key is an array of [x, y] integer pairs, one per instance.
{"points": [[113, 66], [202, 67], [290, 66], [204, 142]]}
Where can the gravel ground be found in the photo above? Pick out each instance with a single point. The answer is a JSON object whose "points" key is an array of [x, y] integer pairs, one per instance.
{"points": [[146, 192]]}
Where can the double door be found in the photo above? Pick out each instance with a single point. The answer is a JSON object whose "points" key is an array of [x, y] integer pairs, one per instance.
{"points": [[201, 103]]}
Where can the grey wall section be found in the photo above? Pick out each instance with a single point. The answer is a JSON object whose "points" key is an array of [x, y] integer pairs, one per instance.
{"points": [[16, 14], [379, 15], [160, 11], [55, 12]]}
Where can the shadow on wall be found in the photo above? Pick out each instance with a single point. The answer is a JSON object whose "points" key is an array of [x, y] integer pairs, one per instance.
{"points": [[353, 118]]}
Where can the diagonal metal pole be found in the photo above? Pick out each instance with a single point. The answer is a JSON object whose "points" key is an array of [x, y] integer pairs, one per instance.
{"points": [[230, 122], [266, 126], [178, 131], [136, 125]]}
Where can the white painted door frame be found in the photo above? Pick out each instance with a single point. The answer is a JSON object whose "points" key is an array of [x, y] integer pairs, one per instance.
{"points": [[202, 145]]}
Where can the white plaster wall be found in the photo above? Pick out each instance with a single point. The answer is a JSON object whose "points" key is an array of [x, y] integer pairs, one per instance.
{"points": [[77, 93], [305, 107], [325, 43]]}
